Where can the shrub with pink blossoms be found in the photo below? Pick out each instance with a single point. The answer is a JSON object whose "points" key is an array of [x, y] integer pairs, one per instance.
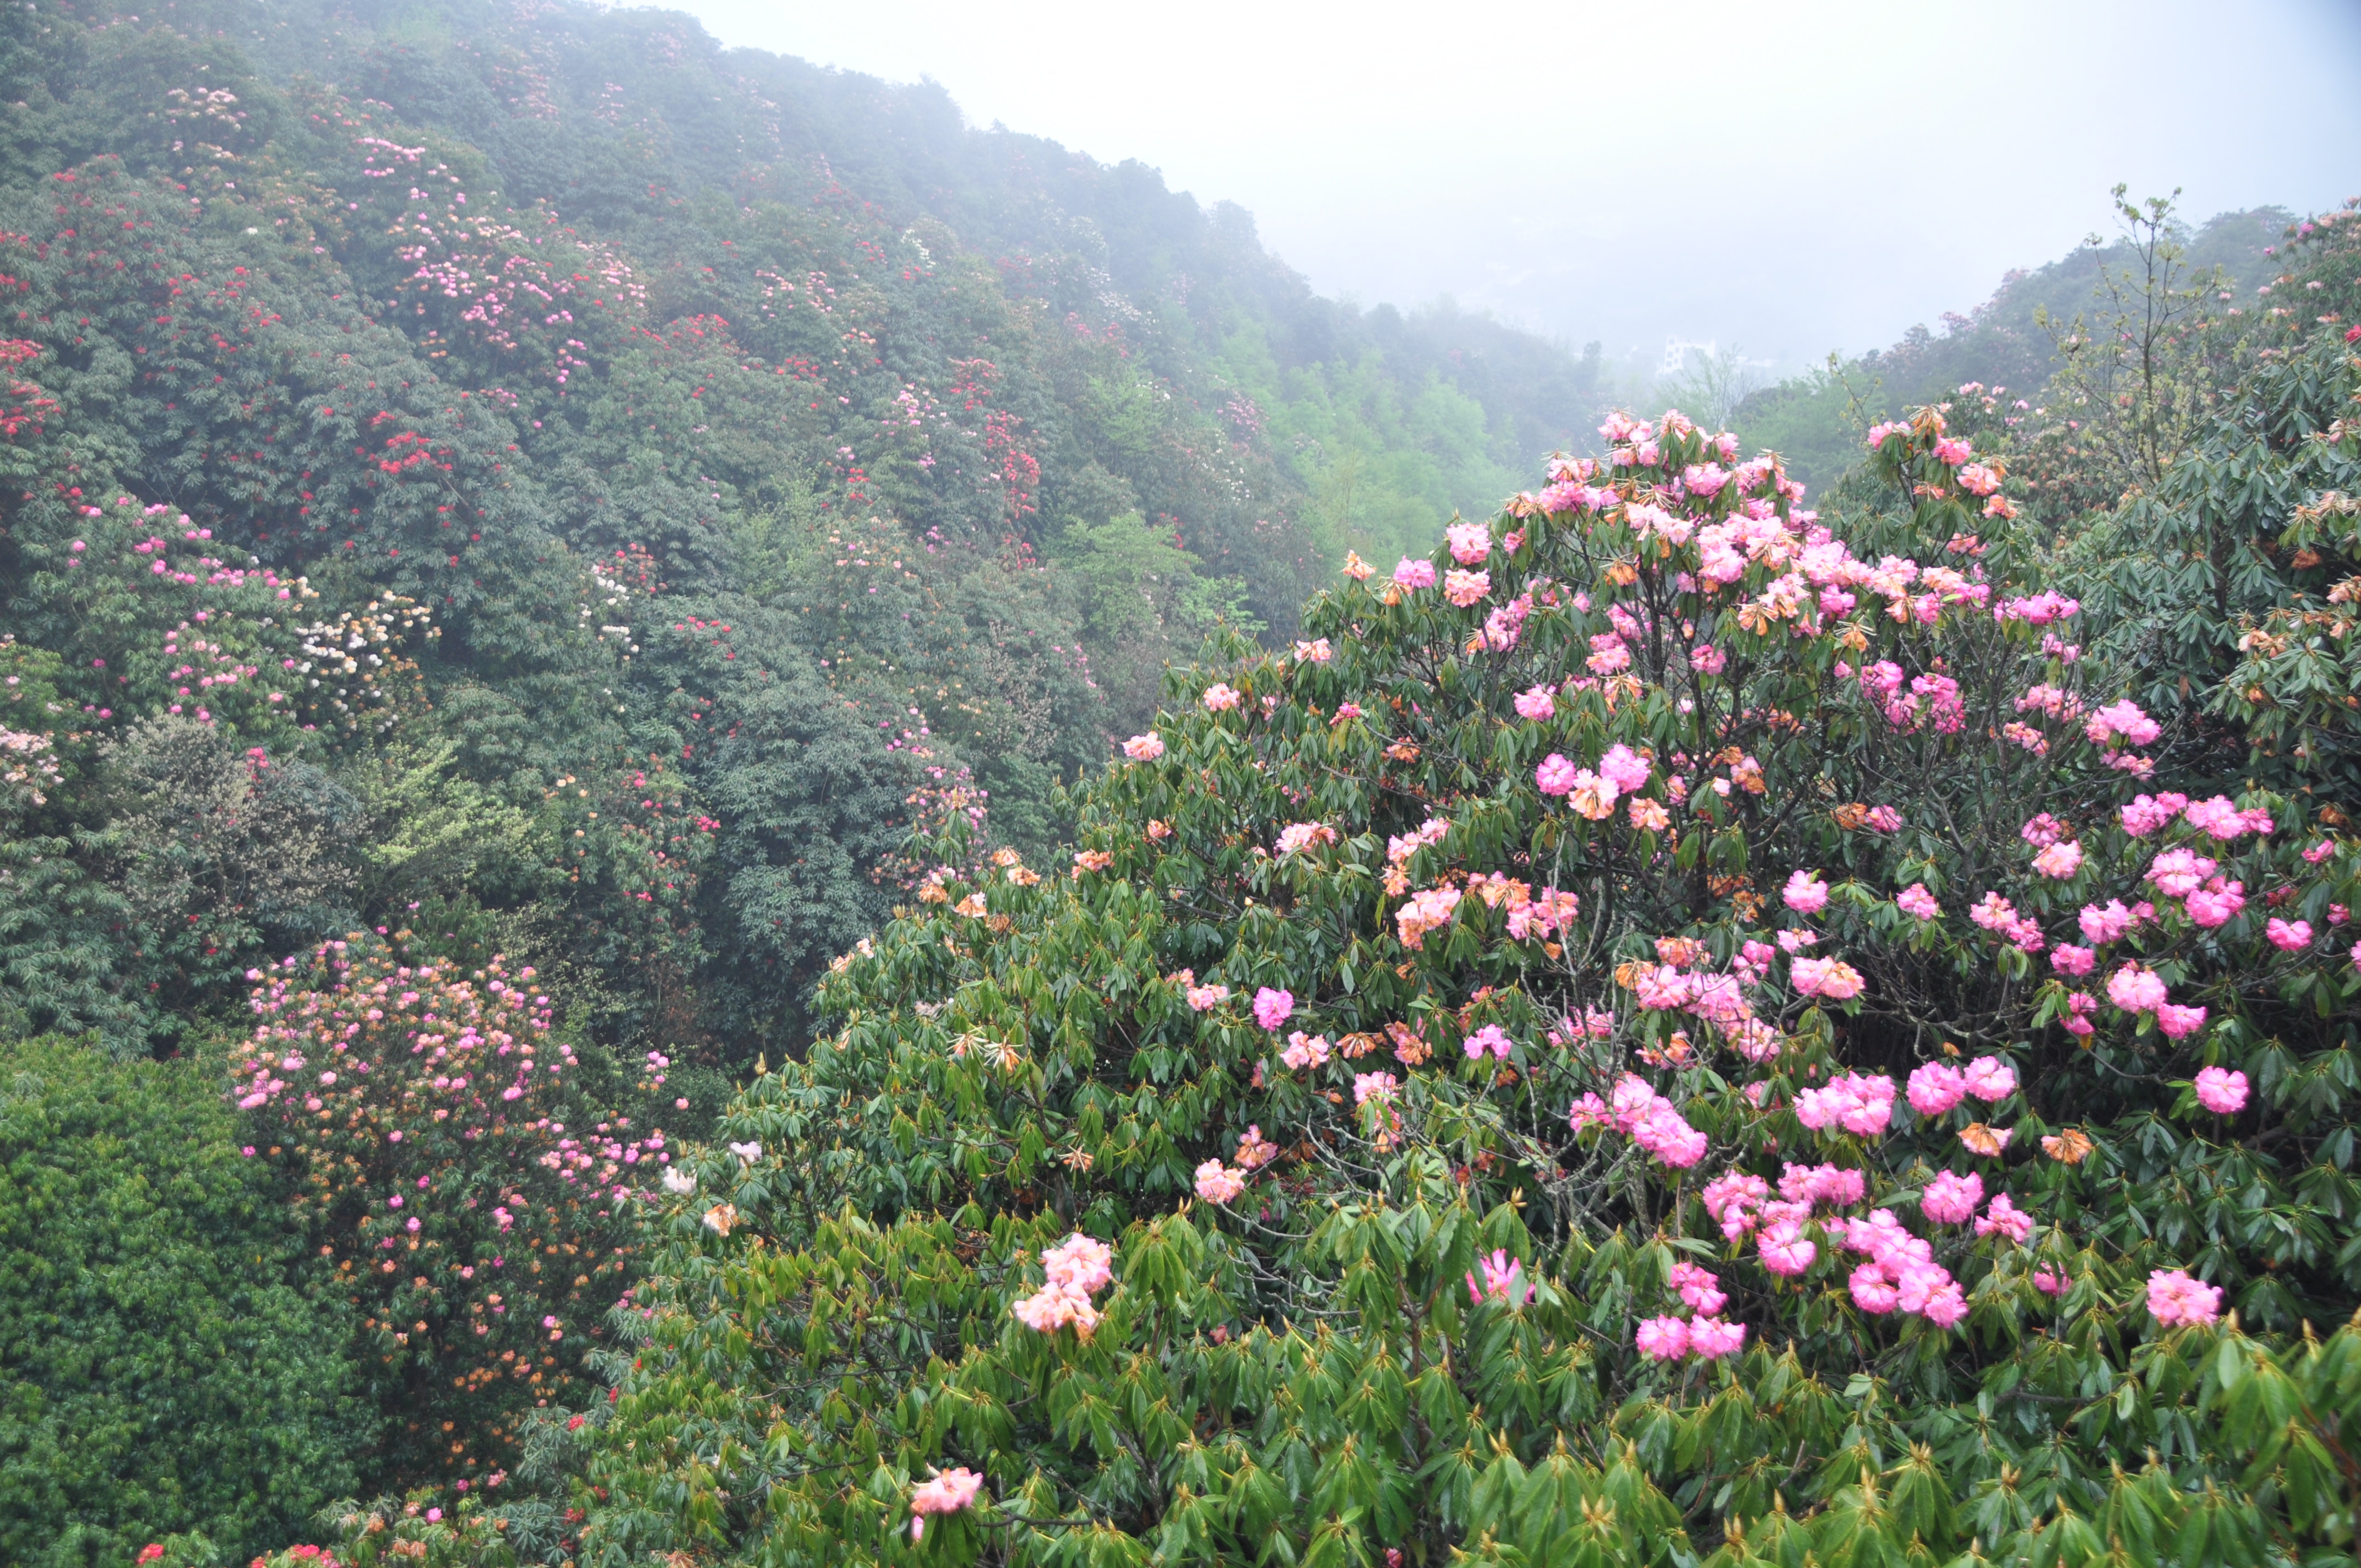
{"points": [[1691, 1150], [443, 1146]]}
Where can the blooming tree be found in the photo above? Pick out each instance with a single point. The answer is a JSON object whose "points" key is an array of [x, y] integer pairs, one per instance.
{"points": [[462, 1188], [1807, 1004]]}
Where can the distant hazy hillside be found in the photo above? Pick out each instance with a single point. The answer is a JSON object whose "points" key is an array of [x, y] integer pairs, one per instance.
{"points": [[1999, 343]]}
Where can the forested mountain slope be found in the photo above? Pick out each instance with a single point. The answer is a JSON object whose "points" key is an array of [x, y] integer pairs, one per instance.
{"points": [[723, 463]]}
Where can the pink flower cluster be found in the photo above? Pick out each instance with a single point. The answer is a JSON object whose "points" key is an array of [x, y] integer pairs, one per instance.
{"points": [[945, 1494], [1469, 542], [1594, 792], [1706, 1336], [1936, 1087], [1901, 1272], [1305, 1051], [1805, 893], [1425, 910], [1858, 1105], [1298, 835], [1076, 1268], [1218, 1183], [2175, 1297], [2222, 1091], [1998, 916], [1503, 1280], [1644, 1116], [1831, 977], [1490, 1037]]}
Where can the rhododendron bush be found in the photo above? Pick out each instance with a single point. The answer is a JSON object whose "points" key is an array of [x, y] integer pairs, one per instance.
{"points": [[1686, 1026], [463, 1188]]}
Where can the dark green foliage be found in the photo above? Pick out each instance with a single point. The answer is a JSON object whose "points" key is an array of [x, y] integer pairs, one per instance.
{"points": [[157, 1374]]}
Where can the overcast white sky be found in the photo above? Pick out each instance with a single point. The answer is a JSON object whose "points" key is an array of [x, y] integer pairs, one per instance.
{"points": [[1794, 177]]}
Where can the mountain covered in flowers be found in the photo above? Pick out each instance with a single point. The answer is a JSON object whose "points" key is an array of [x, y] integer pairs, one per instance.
{"points": [[405, 418]]}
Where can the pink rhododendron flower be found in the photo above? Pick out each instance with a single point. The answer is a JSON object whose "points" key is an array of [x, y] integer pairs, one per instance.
{"points": [[1503, 1280], [1945, 1305], [1712, 1339], [945, 1494], [1856, 1104], [1707, 659], [2176, 1022], [1951, 1200], [1075, 1269], [1536, 703], [1298, 835], [1369, 1086], [2060, 860], [2121, 721], [1220, 696], [1205, 998], [2213, 905], [1663, 1339], [2066, 958], [1699, 1287], [1831, 977], [1990, 1080], [2219, 819], [1916, 900], [2147, 813], [1993, 912], [1315, 651], [1805, 893], [1732, 1199], [1608, 654], [1785, 1249], [2175, 1297], [1936, 1087], [2050, 1282], [1871, 1291], [1272, 1007], [1491, 1037], [1305, 1051], [1624, 768], [1465, 588], [2319, 852], [2106, 925], [1217, 1184], [1469, 542], [1415, 573], [2002, 1217], [1081, 1262], [1555, 775], [2136, 990], [2222, 1091], [1426, 909], [1144, 747], [2042, 831], [2289, 936], [2179, 872]]}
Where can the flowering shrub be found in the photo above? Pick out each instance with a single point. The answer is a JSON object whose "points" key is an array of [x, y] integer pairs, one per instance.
{"points": [[1832, 1107], [461, 1186]]}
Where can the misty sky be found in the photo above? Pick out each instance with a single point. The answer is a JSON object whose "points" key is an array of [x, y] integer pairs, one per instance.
{"points": [[1793, 178]]}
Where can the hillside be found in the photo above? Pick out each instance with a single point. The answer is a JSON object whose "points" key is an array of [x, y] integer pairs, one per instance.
{"points": [[725, 431], [1817, 420]]}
